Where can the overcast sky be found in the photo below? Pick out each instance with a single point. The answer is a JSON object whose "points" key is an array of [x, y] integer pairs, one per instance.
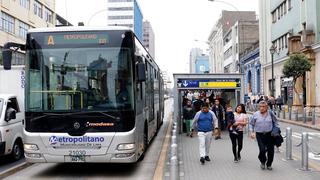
{"points": [[176, 23]]}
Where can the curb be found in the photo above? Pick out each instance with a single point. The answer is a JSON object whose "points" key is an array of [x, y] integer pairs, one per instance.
{"points": [[14, 169]]}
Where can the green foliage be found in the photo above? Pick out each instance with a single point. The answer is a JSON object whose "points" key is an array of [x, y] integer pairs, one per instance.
{"points": [[296, 66]]}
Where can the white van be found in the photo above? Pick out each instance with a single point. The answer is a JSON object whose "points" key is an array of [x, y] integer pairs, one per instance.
{"points": [[11, 111]]}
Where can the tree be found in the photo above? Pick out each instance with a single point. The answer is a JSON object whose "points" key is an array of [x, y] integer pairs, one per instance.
{"points": [[297, 65]]}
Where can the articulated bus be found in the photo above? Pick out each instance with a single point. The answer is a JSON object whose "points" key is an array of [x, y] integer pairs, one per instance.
{"points": [[91, 95]]}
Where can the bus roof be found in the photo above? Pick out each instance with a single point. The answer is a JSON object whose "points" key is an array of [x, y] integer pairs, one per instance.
{"points": [[78, 28]]}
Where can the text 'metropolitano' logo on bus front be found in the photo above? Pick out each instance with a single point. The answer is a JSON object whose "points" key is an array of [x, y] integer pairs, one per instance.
{"points": [[54, 140]]}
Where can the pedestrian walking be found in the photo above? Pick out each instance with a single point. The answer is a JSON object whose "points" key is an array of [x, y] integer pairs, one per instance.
{"points": [[218, 110], [188, 114], [261, 125], [240, 121], [205, 122], [279, 102]]}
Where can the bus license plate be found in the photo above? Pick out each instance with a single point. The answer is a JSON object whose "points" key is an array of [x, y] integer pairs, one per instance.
{"points": [[78, 158]]}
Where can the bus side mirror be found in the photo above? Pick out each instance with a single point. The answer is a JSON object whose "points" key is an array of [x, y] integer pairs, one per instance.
{"points": [[141, 72], [6, 55], [10, 114]]}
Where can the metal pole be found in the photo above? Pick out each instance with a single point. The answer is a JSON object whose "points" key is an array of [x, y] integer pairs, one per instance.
{"points": [[305, 152], [314, 116], [283, 114], [290, 111], [272, 76], [174, 168], [278, 114], [289, 143], [297, 117], [304, 115]]}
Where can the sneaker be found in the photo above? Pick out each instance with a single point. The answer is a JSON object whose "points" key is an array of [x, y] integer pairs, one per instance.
{"points": [[202, 160], [207, 158], [235, 160], [262, 166], [269, 168]]}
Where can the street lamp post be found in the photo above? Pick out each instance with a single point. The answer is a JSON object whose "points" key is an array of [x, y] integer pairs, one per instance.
{"points": [[272, 51]]}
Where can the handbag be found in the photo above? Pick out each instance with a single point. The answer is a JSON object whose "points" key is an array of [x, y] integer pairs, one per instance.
{"points": [[275, 130]]}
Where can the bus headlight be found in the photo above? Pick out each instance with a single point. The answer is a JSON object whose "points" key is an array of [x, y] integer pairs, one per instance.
{"points": [[32, 147], [122, 147]]}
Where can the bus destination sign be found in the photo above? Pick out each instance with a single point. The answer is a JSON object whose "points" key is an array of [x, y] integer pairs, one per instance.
{"points": [[75, 38]]}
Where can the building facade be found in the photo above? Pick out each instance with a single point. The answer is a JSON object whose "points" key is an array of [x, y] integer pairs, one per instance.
{"points": [[148, 38], [242, 35], [294, 29], [194, 53], [126, 13], [251, 66], [19, 16], [226, 21], [202, 64]]}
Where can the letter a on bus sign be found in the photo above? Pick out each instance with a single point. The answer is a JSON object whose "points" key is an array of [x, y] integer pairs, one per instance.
{"points": [[50, 40]]}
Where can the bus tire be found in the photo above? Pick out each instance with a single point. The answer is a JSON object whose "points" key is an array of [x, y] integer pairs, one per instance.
{"points": [[17, 150]]}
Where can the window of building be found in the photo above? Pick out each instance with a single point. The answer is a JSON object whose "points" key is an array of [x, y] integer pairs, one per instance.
{"points": [[48, 15], [285, 7], [23, 29], [286, 40], [18, 58], [7, 23], [37, 9], [278, 13], [25, 3], [281, 10], [274, 16]]}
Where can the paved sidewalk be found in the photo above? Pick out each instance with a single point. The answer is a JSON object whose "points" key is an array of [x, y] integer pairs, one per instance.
{"points": [[222, 166]]}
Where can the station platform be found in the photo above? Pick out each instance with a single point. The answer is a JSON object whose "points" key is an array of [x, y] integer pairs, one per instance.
{"points": [[222, 166]]}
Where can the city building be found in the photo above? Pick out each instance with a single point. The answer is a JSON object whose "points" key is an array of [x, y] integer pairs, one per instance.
{"points": [[264, 37], [126, 13], [242, 35], [148, 38], [202, 64], [251, 67], [194, 53], [226, 21], [19, 16], [294, 29]]}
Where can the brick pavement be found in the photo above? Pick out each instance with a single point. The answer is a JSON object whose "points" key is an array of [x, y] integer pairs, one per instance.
{"points": [[222, 166]]}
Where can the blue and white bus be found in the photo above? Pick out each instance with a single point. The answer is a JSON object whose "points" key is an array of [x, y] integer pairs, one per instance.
{"points": [[91, 95]]}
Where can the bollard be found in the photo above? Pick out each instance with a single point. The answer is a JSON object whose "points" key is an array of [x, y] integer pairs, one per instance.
{"points": [[290, 111], [174, 139], [289, 143], [174, 168], [296, 117], [174, 150], [314, 116], [283, 114], [304, 115], [304, 152]]}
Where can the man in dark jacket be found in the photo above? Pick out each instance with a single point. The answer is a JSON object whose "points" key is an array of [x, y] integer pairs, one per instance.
{"points": [[219, 112], [279, 102], [188, 114]]}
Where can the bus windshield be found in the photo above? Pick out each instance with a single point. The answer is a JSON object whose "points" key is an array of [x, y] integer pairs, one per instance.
{"points": [[79, 79]]}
